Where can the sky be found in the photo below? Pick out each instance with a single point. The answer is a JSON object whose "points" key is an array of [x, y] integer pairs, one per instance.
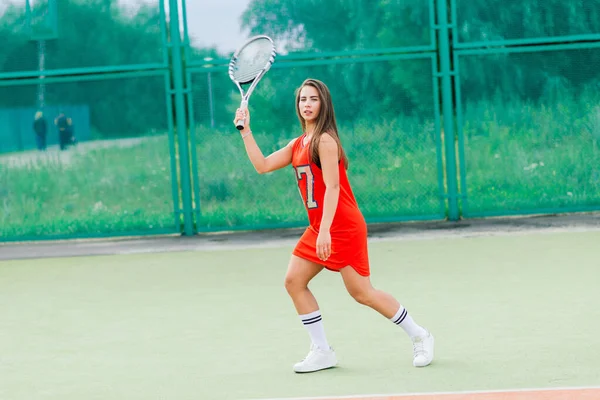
{"points": [[207, 17]]}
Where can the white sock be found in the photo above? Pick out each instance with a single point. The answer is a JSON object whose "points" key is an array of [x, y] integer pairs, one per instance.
{"points": [[408, 324], [314, 325]]}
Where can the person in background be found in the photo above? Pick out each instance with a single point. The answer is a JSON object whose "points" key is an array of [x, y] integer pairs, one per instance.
{"points": [[41, 129], [71, 132], [65, 130]]}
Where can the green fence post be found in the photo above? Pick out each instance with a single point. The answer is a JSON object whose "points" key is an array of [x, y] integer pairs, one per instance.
{"points": [[180, 115], [445, 75]]}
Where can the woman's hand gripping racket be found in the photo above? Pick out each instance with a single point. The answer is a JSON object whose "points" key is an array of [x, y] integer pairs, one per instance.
{"points": [[248, 65]]}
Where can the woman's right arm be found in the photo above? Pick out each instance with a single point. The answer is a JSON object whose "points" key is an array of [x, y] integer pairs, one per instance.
{"points": [[279, 159]]}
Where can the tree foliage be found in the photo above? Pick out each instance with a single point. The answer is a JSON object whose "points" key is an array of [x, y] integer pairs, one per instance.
{"points": [[91, 33], [101, 33]]}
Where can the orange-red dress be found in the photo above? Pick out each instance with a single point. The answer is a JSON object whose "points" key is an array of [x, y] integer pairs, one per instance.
{"points": [[348, 229]]}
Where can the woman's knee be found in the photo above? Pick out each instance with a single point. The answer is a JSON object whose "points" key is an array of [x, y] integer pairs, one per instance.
{"points": [[299, 274], [294, 283], [362, 296]]}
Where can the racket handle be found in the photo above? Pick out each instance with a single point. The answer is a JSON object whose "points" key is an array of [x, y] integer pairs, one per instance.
{"points": [[240, 124]]}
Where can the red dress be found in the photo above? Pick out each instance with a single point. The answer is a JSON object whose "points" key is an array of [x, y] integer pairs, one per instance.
{"points": [[348, 229]]}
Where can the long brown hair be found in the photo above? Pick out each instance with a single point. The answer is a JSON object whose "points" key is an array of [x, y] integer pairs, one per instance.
{"points": [[325, 121]]}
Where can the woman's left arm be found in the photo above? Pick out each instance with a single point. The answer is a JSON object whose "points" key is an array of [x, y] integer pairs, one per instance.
{"points": [[329, 157]]}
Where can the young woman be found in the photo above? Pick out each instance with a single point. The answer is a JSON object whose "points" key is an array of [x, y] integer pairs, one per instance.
{"points": [[336, 238]]}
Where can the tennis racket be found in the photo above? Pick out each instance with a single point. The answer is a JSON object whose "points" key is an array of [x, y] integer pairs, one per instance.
{"points": [[248, 65]]}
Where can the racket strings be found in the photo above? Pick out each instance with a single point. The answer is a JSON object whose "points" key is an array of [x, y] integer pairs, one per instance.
{"points": [[246, 76], [249, 70], [251, 60]]}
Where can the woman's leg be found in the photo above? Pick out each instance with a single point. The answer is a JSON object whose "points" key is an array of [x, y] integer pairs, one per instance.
{"points": [[299, 274], [360, 288], [363, 292]]}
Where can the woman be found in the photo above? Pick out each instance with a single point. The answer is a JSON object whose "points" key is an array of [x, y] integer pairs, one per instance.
{"points": [[336, 238]]}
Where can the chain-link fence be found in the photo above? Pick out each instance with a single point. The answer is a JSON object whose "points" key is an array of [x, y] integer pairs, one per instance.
{"points": [[71, 34], [531, 141], [389, 129], [115, 119], [119, 181]]}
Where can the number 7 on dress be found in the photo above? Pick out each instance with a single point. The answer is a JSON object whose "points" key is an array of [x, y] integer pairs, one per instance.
{"points": [[310, 184]]}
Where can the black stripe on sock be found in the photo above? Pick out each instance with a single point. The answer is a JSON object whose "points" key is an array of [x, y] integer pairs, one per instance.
{"points": [[310, 319], [312, 322], [401, 317]]}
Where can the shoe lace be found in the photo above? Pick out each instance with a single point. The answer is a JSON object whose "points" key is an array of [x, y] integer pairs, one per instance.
{"points": [[418, 347]]}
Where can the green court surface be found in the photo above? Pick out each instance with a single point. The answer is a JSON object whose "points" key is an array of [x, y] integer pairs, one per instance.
{"points": [[508, 312]]}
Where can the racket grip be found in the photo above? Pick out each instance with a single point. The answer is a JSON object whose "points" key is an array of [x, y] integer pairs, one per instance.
{"points": [[240, 124]]}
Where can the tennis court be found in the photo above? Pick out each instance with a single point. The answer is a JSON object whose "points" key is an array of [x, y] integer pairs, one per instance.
{"points": [[511, 311]]}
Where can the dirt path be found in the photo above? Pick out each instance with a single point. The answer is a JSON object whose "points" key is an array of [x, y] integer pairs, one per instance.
{"points": [[53, 154]]}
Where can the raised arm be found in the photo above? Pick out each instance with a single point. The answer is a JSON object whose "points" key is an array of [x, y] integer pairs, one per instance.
{"points": [[279, 159]]}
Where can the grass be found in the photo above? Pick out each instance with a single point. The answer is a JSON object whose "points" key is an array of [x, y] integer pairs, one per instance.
{"points": [[517, 157], [520, 157], [388, 178], [103, 190]]}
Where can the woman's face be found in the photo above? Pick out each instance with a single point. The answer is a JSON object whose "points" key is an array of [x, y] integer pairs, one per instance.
{"points": [[309, 104]]}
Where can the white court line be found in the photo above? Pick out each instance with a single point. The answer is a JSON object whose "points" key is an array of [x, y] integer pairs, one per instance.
{"points": [[555, 389]]}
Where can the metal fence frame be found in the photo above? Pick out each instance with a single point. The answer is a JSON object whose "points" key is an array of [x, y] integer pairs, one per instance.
{"points": [[445, 51], [294, 62], [115, 72], [525, 45], [441, 74]]}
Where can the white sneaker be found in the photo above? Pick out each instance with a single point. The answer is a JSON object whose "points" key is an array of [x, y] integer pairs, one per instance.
{"points": [[316, 360], [423, 350]]}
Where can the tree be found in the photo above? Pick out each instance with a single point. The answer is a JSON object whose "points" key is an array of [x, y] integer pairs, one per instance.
{"points": [[317, 26], [92, 34]]}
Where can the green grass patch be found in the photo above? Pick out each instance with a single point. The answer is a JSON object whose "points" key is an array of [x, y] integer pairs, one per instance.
{"points": [[518, 157], [104, 190], [521, 157]]}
